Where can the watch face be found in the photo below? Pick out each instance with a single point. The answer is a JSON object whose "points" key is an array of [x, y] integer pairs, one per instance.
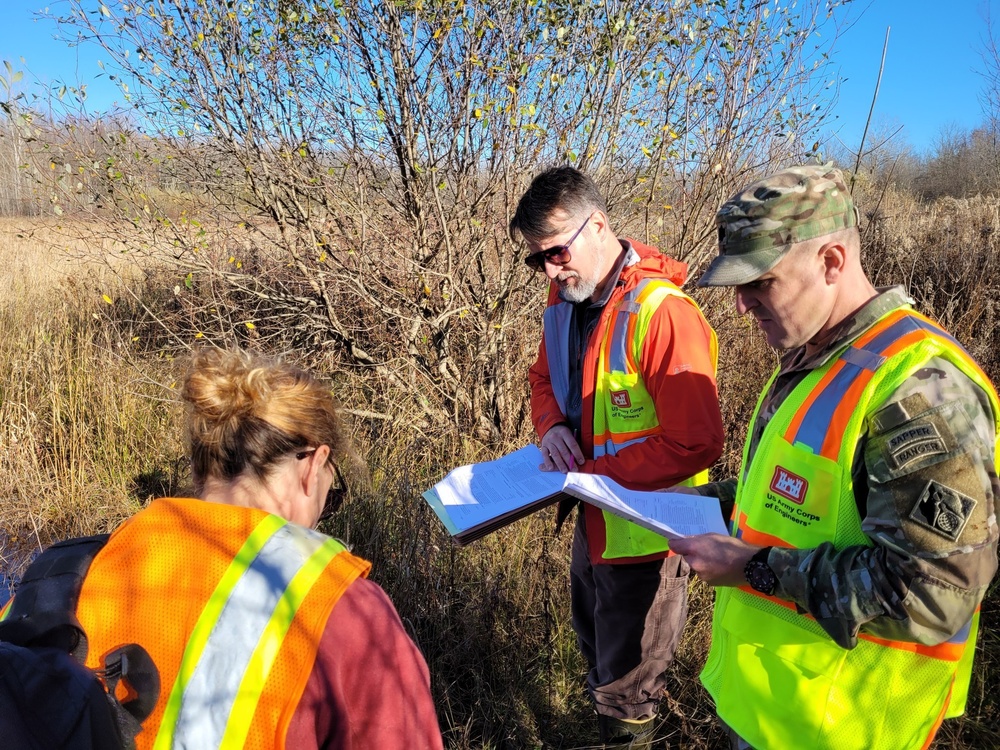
{"points": [[760, 576]]}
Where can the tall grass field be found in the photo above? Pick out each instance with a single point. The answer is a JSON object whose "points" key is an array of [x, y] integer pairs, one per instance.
{"points": [[90, 431]]}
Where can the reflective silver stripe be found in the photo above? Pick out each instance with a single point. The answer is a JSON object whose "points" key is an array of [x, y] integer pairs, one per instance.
{"points": [[611, 448], [617, 355], [618, 352], [211, 691], [556, 323], [863, 358]]}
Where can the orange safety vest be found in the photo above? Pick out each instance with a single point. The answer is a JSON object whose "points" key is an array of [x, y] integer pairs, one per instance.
{"points": [[623, 410], [230, 603]]}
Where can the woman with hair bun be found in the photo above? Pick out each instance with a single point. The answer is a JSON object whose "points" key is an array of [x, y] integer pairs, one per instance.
{"points": [[265, 632]]}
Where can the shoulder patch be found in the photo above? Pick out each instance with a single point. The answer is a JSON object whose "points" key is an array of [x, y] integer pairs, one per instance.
{"points": [[942, 510], [899, 412], [913, 442]]}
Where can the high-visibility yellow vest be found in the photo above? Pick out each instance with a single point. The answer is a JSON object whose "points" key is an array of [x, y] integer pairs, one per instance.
{"points": [[624, 412], [777, 678], [231, 603]]}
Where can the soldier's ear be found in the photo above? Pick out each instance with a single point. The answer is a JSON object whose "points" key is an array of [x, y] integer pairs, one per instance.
{"points": [[834, 257]]}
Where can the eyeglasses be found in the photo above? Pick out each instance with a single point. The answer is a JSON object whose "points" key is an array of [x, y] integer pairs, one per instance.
{"points": [[556, 254], [335, 496]]}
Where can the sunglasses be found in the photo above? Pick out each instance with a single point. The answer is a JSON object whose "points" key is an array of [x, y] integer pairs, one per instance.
{"points": [[557, 254], [336, 495]]}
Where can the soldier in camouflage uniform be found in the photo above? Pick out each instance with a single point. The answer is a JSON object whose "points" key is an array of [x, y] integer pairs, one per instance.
{"points": [[865, 507]]}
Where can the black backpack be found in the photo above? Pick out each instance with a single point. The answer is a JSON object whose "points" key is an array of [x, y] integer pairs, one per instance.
{"points": [[48, 699]]}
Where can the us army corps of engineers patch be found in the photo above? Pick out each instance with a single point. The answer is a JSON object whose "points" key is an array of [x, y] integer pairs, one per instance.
{"points": [[942, 510]]}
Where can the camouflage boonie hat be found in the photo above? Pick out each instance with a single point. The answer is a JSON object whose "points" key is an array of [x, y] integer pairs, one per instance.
{"points": [[759, 224]]}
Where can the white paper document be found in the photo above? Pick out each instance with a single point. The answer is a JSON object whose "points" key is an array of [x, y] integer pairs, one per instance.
{"points": [[513, 477], [671, 514], [477, 499]]}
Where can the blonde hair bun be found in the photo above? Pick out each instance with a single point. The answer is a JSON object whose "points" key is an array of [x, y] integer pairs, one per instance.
{"points": [[247, 412]]}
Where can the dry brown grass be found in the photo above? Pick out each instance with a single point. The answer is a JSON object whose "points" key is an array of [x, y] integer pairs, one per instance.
{"points": [[82, 433], [88, 433], [39, 255]]}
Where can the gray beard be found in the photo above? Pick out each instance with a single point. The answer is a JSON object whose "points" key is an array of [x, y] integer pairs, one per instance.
{"points": [[579, 292], [584, 288]]}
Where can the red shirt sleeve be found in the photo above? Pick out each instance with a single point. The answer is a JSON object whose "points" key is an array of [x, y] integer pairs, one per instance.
{"points": [[678, 369], [370, 687]]}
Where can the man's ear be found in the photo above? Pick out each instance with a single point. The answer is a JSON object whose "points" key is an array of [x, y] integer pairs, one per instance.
{"points": [[600, 221], [834, 257]]}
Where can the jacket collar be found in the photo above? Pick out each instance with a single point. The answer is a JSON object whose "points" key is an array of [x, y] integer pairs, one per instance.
{"points": [[629, 257]]}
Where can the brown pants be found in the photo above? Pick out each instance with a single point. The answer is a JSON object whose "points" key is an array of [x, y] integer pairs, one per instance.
{"points": [[628, 621]]}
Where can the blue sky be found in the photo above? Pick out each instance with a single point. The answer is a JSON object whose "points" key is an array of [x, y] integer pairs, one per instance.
{"points": [[929, 82]]}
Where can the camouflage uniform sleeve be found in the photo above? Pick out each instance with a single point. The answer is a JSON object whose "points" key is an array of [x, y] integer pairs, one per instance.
{"points": [[725, 490], [928, 457]]}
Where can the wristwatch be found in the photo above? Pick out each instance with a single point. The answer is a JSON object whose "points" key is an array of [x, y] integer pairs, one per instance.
{"points": [[759, 574]]}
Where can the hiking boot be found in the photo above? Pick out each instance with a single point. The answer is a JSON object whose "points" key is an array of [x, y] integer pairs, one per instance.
{"points": [[633, 734]]}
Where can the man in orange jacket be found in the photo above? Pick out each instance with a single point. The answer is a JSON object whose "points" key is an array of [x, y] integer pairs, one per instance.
{"points": [[624, 386]]}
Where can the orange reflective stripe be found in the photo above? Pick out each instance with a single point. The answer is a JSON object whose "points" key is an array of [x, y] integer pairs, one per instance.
{"points": [[822, 419], [906, 341], [849, 402], [834, 370], [622, 437], [960, 350], [940, 718], [824, 381], [885, 323], [946, 651], [928, 321], [842, 415], [752, 536], [297, 655]]}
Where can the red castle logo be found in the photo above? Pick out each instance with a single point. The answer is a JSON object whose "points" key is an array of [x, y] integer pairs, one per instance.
{"points": [[621, 399], [788, 485]]}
